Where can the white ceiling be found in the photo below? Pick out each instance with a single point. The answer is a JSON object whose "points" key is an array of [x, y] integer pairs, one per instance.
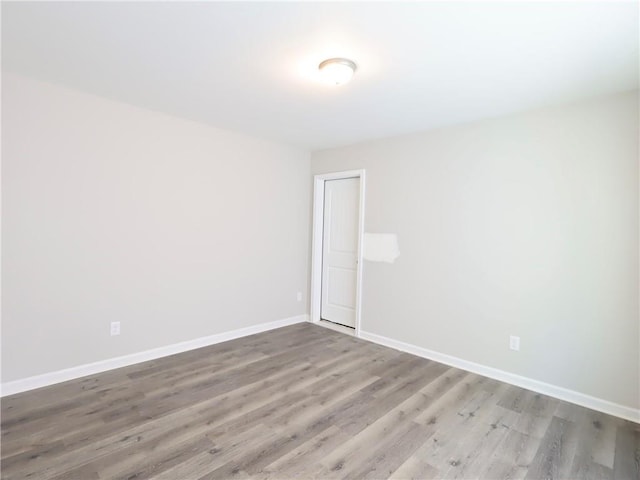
{"points": [[252, 67]]}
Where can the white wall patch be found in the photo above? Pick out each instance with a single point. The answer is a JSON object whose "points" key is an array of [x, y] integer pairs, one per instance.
{"points": [[380, 247]]}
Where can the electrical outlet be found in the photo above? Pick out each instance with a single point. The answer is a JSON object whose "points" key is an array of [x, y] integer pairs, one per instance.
{"points": [[514, 343], [115, 328], [299, 296]]}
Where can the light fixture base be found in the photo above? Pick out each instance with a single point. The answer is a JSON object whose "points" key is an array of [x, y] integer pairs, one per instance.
{"points": [[337, 71]]}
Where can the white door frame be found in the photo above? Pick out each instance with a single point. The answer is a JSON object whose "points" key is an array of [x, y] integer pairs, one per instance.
{"points": [[316, 247]]}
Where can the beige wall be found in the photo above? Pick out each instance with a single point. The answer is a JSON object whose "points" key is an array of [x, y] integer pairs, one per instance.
{"points": [[114, 213], [523, 225]]}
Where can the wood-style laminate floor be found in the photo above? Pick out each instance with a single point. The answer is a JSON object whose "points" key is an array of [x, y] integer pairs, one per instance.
{"points": [[305, 402]]}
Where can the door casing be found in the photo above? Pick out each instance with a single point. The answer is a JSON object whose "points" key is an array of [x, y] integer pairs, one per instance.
{"points": [[316, 247]]}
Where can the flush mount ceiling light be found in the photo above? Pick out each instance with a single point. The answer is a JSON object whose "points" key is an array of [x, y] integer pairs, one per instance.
{"points": [[337, 71]]}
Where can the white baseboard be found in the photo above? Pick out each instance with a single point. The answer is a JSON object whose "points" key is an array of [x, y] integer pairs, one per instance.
{"points": [[30, 383], [561, 393]]}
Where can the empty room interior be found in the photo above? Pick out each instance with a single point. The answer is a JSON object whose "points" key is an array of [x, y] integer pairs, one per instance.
{"points": [[323, 240]]}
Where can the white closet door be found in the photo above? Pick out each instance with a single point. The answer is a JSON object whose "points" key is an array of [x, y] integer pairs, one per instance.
{"points": [[339, 251]]}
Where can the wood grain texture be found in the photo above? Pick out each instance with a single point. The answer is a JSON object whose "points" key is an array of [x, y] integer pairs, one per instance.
{"points": [[305, 402]]}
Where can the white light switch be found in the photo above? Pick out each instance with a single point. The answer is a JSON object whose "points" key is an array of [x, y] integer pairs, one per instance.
{"points": [[115, 328], [514, 342]]}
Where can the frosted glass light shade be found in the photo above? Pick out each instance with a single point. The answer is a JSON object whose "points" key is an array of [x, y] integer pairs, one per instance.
{"points": [[337, 71]]}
